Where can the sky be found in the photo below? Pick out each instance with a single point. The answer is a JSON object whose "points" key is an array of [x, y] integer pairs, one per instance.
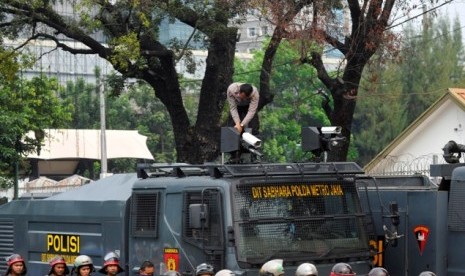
{"points": [[455, 8]]}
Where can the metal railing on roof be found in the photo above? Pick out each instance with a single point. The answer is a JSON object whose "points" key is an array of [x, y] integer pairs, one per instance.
{"points": [[238, 170]]}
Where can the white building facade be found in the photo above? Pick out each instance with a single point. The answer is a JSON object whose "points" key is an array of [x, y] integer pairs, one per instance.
{"points": [[421, 144]]}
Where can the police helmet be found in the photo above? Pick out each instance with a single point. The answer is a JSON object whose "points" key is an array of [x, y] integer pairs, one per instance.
{"points": [[58, 260], [272, 268], [204, 268], [225, 272], [111, 259], [171, 273], [12, 259], [341, 269], [427, 273], [306, 269], [378, 271], [82, 260]]}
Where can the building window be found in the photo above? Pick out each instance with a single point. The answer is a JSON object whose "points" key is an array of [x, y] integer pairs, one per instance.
{"points": [[251, 32], [264, 30]]}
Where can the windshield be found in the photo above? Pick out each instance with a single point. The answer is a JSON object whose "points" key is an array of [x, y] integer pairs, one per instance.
{"points": [[298, 221]]}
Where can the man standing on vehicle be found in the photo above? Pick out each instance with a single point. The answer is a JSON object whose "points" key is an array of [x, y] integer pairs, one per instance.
{"points": [[243, 104]]}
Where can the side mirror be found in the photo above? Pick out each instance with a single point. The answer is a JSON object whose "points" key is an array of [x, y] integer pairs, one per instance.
{"points": [[198, 216]]}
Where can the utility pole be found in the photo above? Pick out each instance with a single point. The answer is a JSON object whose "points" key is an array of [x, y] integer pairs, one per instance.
{"points": [[16, 184], [103, 138]]}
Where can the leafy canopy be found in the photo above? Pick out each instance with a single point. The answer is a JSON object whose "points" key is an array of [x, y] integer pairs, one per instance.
{"points": [[27, 106]]}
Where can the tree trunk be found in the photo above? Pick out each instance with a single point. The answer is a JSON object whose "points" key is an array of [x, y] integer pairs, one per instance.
{"points": [[164, 81], [266, 96], [218, 76], [199, 143], [345, 99]]}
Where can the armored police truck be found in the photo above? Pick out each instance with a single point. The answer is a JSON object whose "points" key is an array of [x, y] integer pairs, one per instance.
{"points": [[420, 224], [178, 216]]}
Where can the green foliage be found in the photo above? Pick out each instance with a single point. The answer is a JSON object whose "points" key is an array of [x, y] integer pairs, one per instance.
{"points": [[27, 106], [9, 66], [380, 114], [84, 100], [134, 107], [395, 93], [12, 62], [126, 50], [6, 183], [150, 117], [430, 64], [125, 33]]}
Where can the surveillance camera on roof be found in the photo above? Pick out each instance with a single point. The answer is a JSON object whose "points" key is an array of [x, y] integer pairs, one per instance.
{"points": [[251, 140], [331, 130]]}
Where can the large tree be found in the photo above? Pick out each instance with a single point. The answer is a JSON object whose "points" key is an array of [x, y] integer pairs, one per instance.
{"points": [[325, 28], [130, 43], [397, 91], [132, 46], [369, 20]]}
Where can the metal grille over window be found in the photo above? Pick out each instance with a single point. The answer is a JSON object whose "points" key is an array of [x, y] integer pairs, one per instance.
{"points": [[456, 203], [318, 220], [7, 241], [145, 214], [207, 233], [212, 227]]}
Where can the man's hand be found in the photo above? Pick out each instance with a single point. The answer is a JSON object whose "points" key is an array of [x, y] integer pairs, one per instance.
{"points": [[239, 127]]}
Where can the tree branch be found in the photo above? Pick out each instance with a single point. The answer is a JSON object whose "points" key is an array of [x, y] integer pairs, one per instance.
{"points": [[325, 103], [355, 12], [317, 62], [335, 43], [388, 6], [156, 53], [265, 74], [374, 9], [13, 22], [184, 49], [183, 13], [63, 46], [50, 18]]}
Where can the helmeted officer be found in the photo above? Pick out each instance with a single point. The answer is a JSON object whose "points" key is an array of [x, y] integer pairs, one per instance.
{"points": [[16, 265], [111, 264], [306, 269], [58, 266], [83, 266], [272, 268], [172, 273], [342, 269], [378, 271], [204, 269], [225, 272], [427, 273]]}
